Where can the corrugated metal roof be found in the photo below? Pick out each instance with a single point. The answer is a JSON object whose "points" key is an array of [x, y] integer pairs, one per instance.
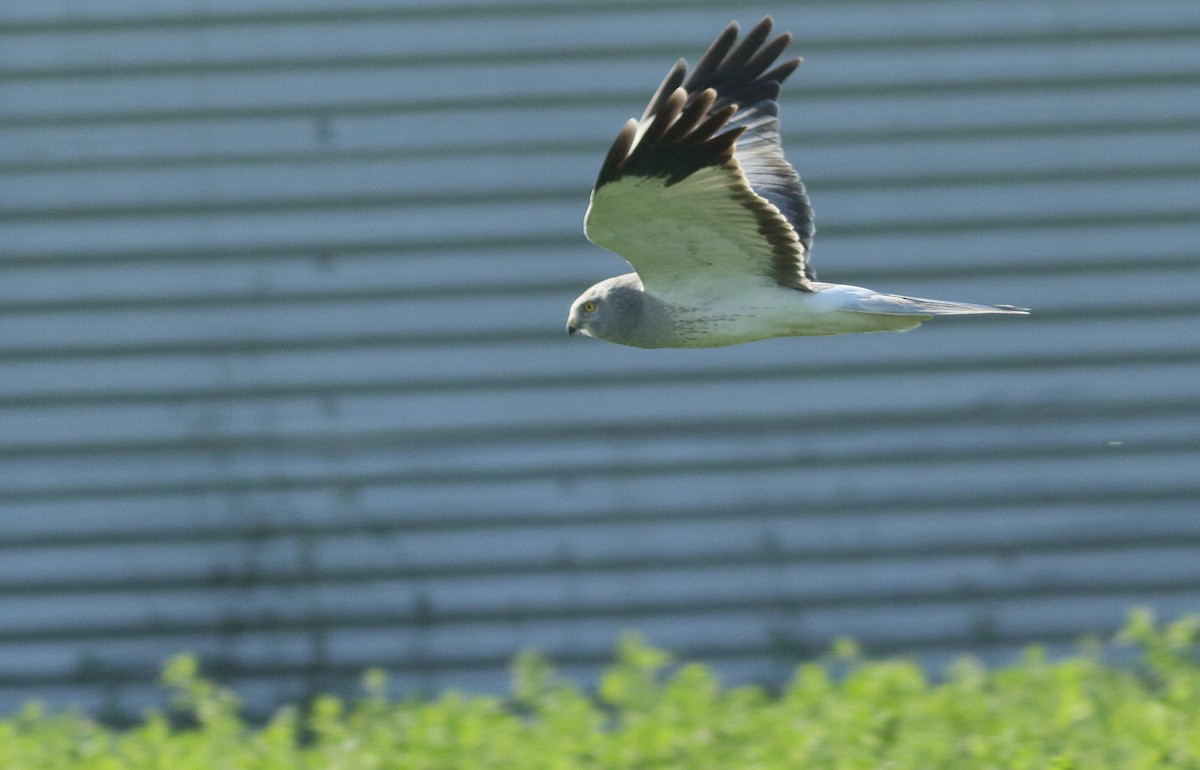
{"points": [[285, 383]]}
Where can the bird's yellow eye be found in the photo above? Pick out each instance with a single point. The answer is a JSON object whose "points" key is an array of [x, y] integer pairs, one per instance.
{"points": [[588, 307]]}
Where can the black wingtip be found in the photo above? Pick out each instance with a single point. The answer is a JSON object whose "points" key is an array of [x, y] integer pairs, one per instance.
{"points": [[673, 80], [780, 73], [681, 137], [711, 59], [615, 159]]}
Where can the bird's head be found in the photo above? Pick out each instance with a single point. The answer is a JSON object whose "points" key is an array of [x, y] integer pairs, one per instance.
{"points": [[609, 310]]}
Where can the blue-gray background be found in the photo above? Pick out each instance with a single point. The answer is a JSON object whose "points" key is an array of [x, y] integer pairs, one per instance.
{"points": [[283, 378]]}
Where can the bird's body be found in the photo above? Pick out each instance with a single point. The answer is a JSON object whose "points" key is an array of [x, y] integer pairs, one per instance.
{"points": [[698, 198], [734, 314]]}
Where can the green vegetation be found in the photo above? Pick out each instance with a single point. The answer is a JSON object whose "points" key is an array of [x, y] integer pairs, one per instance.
{"points": [[1075, 713]]}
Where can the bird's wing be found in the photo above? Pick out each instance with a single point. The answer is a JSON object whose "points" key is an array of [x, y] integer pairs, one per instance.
{"points": [[697, 192]]}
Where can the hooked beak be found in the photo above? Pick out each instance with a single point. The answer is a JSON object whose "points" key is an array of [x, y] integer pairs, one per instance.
{"points": [[571, 328]]}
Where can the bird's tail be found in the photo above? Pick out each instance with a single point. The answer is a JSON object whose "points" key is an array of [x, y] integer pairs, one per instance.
{"points": [[894, 304]]}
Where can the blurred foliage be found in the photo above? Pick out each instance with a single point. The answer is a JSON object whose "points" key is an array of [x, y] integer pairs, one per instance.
{"points": [[650, 713]]}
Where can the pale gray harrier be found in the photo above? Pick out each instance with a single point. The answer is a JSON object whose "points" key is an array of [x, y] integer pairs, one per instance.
{"points": [[698, 198]]}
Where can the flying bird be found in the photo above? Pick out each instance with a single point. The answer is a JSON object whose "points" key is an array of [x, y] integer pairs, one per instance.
{"points": [[697, 197]]}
